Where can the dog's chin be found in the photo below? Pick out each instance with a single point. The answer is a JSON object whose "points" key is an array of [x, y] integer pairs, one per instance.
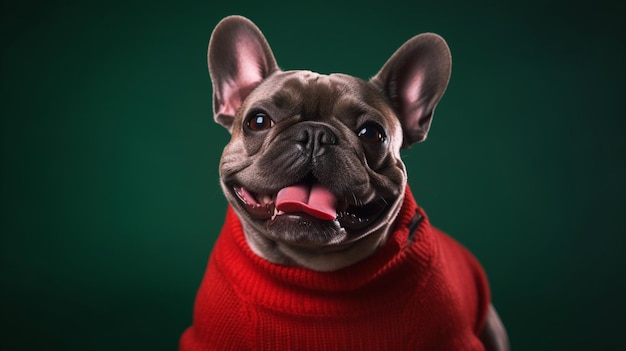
{"points": [[304, 231]]}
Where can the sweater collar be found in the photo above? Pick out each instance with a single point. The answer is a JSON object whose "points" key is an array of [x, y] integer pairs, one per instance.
{"points": [[263, 281]]}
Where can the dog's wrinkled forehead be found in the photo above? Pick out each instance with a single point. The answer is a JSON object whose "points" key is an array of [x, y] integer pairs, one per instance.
{"points": [[316, 96]]}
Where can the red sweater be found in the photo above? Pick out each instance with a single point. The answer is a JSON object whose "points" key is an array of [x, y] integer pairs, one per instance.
{"points": [[428, 293]]}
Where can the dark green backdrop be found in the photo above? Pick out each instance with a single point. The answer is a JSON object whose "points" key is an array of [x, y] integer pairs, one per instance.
{"points": [[111, 204]]}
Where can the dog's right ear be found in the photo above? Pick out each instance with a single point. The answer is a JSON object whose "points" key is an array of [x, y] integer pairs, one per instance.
{"points": [[239, 59]]}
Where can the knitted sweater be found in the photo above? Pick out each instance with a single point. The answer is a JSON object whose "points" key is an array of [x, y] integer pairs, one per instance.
{"points": [[423, 293]]}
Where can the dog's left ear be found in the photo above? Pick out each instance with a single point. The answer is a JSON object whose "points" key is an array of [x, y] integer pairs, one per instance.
{"points": [[239, 59], [414, 80]]}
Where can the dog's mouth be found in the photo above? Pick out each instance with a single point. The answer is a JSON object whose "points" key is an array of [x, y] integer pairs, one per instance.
{"points": [[310, 200]]}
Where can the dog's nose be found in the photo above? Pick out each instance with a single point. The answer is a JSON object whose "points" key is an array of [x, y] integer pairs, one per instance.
{"points": [[315, 138]]}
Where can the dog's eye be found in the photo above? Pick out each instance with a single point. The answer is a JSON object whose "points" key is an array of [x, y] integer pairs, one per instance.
{"points": [[371, 133], [259, 121]]}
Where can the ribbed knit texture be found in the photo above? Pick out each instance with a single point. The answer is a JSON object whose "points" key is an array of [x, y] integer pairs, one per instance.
{"points": [[427, 294]]}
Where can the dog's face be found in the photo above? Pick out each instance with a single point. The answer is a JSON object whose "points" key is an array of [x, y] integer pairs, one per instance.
{"points": [[313, 167]]}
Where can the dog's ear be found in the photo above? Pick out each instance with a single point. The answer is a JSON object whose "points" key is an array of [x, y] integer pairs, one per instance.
{"points": [[414, 79], [239, 59]]}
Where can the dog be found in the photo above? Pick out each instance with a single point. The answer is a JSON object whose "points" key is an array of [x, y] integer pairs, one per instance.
{"points": [[324, 246]]}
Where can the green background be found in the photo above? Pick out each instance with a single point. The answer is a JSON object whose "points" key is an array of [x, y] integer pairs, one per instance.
{"points": [[109, 191]]}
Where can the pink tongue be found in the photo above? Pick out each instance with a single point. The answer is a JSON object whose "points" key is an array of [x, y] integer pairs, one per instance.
{"points": [[315, 201]]}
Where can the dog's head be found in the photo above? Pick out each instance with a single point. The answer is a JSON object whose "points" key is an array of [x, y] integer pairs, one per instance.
{"points": [[313, 167]]}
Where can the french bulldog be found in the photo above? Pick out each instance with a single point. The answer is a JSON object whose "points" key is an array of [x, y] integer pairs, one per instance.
{"points": [[314, 178]]}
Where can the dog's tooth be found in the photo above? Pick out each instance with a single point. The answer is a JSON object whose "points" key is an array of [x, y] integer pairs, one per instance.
{"points": [[276, 212], [247, 197], [265, 200], [240, 193]]}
